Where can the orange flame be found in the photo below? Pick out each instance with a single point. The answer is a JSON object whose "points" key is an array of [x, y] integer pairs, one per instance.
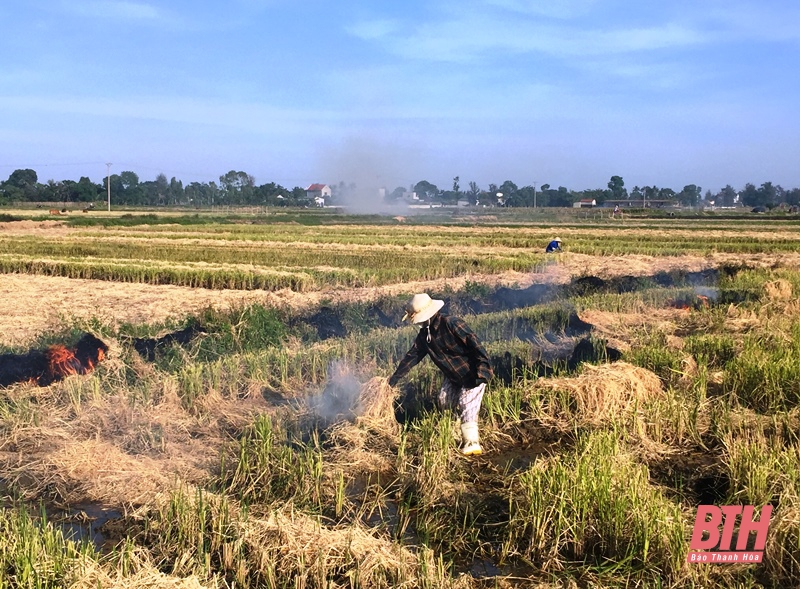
{"points": [[61, 362], [90, 364]]}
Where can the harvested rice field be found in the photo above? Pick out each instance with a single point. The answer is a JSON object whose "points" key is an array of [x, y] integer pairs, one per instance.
{"points": [[201, 400]]}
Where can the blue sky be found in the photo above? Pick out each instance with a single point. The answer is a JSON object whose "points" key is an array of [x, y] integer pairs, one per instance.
{"points": [[564, 92]]}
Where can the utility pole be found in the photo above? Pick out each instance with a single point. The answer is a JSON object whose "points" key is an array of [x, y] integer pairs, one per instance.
{"points": [[534, 194], [108, 184]]}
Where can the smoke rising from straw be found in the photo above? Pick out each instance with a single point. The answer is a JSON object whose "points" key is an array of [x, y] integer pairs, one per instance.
{"points": [[367, 167], [339, 400]]}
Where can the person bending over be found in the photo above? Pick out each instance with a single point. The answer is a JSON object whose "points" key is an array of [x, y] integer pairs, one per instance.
{"points": [[456, 351], [553, 246]]}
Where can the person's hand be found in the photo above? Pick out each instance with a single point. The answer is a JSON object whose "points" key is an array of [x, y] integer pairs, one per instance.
{"points": [[392, 381]]}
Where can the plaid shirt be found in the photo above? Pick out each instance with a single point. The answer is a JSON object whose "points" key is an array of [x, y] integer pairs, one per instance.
{"points": [[453, 347]]}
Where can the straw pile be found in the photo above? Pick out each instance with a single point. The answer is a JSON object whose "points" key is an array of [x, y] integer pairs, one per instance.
{"points": [[346, 399], [783, 563], [376, 401], [148, 576], [778, 290], [90, 471], [369, 444], [603, 392], [299, 547]]}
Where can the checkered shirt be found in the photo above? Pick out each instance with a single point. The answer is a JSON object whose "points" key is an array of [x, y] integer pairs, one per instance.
{"points": [[453, 347]]}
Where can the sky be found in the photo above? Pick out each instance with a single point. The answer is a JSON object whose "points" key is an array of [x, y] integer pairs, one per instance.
{"points": [[559, 92]]}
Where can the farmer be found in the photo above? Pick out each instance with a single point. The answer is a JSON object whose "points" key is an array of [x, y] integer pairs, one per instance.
{"points": [[553, 246], [456, 351]]}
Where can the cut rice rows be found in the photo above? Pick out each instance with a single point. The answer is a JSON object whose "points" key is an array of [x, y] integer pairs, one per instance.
{"points": [[260, 445]]}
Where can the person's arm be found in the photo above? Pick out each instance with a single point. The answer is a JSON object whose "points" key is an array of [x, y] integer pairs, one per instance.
{"points": [[413, 357]]}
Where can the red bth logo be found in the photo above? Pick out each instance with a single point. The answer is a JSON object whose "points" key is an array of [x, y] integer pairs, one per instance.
{"points": [[717, 547]]}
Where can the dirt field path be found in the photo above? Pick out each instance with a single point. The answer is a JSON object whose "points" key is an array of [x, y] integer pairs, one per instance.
{"points": [[31, 305]]}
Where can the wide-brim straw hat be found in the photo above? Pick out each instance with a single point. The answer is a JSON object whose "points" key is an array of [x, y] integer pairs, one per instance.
{"points": [[421, 308], [558, 239]]}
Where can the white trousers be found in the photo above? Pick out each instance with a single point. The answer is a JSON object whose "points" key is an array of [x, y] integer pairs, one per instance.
{"points": [[466, 401]]}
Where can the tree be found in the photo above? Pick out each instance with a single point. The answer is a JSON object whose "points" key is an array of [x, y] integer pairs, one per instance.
{"points": [[525, 196], [666, 194], [270, 194], [543, 199], [474, 192], [176, 193], [561, 197], [128, 190], [237, 187], [508, 188], [425, 190], [22, 178], [86, 190], [769, 194], [21, 185], [452, 196], [510, 196], [162, 189], [617, 187], [299, 197], [690, 195], [549, 197], [649, 193], [395, 195], [129, 180], [751, 196], [726, 197]]}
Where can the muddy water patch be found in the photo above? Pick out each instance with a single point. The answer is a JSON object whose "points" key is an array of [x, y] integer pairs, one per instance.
{"points": [[89, 522]]}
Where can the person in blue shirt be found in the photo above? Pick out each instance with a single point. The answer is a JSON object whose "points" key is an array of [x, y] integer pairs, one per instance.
{"points": [[553, 246]]}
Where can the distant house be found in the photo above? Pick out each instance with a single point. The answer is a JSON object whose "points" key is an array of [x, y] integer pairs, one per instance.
{"points": [[585, 203], [318, 191]]}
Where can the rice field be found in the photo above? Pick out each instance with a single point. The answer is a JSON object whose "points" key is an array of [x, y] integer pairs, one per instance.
{"points": [[650, 368]]}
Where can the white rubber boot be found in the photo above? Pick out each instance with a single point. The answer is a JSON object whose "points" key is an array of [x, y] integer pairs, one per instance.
{"points": [[472, 446]]}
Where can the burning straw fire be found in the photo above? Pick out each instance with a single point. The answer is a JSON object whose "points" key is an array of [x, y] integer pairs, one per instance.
{"points": [[345, 398], [54, 364]]}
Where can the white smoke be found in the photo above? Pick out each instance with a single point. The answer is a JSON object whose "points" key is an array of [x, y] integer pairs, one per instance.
{"points": [[339, 400], [369, 169]]}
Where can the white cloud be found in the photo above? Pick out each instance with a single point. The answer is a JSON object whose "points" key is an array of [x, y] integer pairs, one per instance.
{"points": [[575, 29], [116, 9], [374, 29], [773, 22], [474, 36], [561, 9]]}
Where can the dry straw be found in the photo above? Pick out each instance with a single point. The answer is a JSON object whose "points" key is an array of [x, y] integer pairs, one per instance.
{"points": [[376, 402], [369, 444], [306, 550], [95, 575], [778, 290], [601, 393]]}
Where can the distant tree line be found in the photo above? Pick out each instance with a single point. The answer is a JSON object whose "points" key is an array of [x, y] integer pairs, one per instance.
{"points": [[234, 188], [240, 189], [510, 195]]}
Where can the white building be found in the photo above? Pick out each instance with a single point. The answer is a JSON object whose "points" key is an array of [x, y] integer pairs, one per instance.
{"points": [[316, 191]]}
